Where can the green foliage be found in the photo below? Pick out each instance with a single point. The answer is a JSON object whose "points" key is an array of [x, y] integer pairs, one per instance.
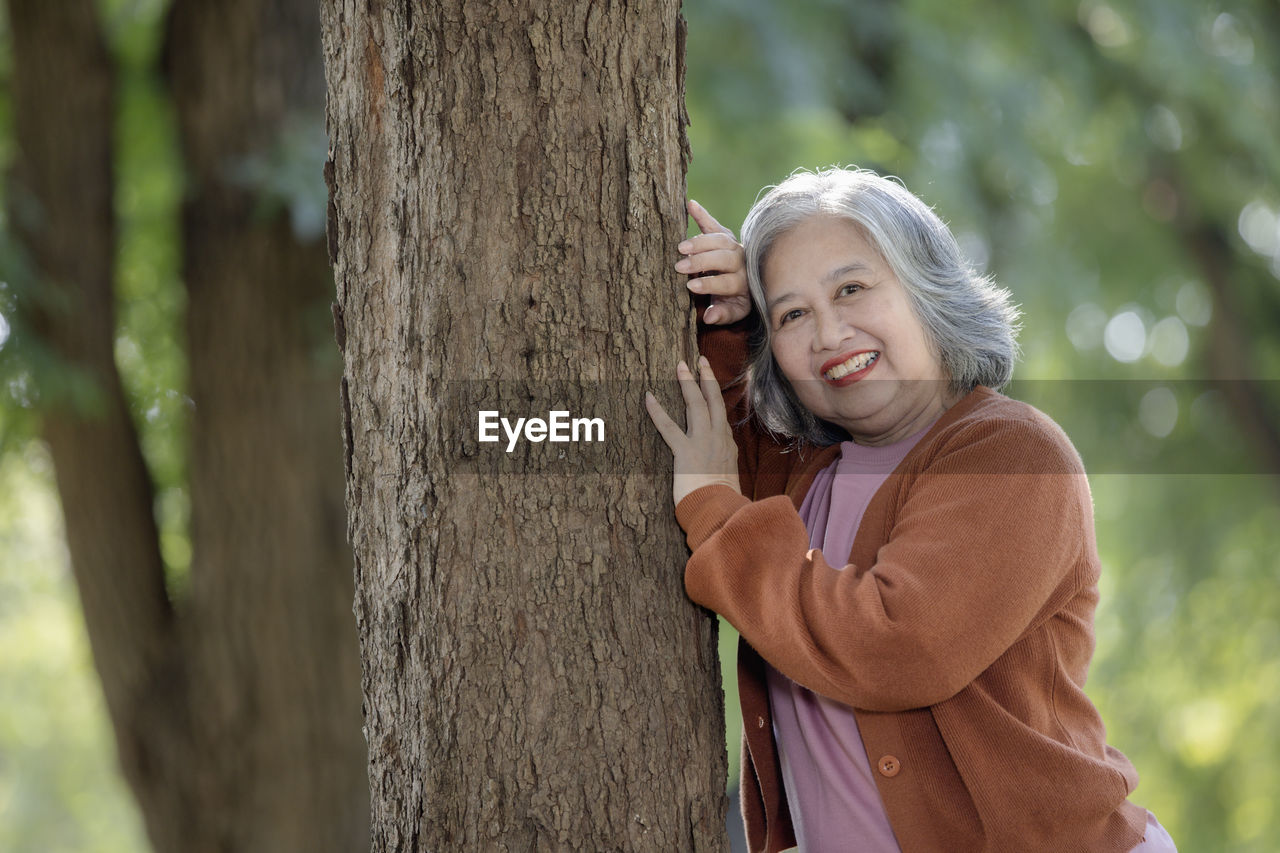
{"points": [[1187, 671], [59, 787], [150, 345], [12, 374]]}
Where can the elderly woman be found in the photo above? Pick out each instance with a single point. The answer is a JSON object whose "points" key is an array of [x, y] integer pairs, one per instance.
{"points": [[908, 555]]}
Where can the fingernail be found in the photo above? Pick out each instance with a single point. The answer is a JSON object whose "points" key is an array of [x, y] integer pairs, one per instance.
{"points": [[694, 285], [702, 361], [686, 246], [682, 266]]}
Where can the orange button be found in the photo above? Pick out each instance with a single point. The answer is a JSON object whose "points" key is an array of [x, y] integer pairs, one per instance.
{"points": [[888, 766]]}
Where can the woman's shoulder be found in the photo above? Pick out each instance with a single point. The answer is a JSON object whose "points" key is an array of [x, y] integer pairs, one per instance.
{"points": [[993, 432]]}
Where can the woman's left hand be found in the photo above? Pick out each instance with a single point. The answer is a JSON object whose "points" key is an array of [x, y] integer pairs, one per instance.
{"points": [[705, 454]]}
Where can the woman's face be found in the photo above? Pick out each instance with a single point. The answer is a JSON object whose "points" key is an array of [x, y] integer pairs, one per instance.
{"points": [[846, 337]]}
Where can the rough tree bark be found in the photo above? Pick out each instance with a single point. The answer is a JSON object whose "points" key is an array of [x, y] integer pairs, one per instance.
{"points": [[507, 186], [236, 709]]}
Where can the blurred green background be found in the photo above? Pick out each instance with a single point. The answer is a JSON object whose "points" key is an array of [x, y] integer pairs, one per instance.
{"points": [[1114, 165]]}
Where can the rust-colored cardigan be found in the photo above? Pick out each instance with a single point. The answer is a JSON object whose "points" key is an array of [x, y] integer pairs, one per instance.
{"points": [[960, 632]]}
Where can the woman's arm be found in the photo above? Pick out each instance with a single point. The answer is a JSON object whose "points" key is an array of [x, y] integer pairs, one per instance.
{"points": [[974, 561]]}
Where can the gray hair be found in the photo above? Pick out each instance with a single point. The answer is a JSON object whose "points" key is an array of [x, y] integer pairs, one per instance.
{"points": [[970, 323]]}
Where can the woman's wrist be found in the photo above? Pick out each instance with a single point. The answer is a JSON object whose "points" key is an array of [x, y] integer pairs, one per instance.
{"points": [[706, 509]]}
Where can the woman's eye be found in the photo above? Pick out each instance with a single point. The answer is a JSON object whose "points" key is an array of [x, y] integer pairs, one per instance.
{"points": [[790, 315], [849, 289]]}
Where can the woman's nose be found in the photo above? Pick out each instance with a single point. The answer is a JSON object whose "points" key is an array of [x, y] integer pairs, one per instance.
{"points": [[831, 330]]}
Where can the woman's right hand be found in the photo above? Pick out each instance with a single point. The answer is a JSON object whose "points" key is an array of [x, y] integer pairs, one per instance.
{"points": [[717, 265]]}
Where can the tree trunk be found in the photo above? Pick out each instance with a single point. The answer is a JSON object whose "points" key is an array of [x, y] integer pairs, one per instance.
{"points": [[61, 197], [507, 188], [271, 568], [235, 709]]}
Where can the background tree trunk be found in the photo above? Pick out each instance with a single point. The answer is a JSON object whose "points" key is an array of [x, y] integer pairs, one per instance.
{"points": [[507, 186], [235, 708]]}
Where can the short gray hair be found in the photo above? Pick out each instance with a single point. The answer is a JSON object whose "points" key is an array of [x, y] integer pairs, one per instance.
{"points": [[971, 324]]}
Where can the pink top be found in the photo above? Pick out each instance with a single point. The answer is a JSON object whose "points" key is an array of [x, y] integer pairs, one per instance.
{"points": [[831, 789], [831, 792]]}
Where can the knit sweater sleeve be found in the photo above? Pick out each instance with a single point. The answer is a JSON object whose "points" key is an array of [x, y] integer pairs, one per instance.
{"points": [[985, 545], [764, 461], [725, 348]]}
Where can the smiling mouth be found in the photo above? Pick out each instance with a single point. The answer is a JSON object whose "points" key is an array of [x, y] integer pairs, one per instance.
{"points": [[852, 368]]}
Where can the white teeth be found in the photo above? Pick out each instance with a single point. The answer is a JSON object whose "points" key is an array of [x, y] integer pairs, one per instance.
{"points": [[853, 365]]}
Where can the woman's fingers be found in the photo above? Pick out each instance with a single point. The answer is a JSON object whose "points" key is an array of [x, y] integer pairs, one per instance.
{"points": [[726, 284], [696, 409], [706, 242], [727, 260], [702, 402], [670, 431], [705, 220], [696, 417], [711, 392], [726, 309]]}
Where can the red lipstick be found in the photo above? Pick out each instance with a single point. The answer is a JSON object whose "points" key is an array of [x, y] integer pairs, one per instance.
{"points": [[848, 378]]}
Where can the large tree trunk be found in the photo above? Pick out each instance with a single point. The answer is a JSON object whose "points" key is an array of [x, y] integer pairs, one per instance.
{"points": [[236, 709], [271, 568], [506, 186]]}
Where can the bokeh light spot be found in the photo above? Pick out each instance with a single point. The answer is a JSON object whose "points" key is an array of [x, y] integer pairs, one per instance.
{"points": [[1158, 411], [1125, 336], [1163, 128], [1193, 304], [1259, 225], [1170, 342], [1104, 24], [1085, 325]]}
